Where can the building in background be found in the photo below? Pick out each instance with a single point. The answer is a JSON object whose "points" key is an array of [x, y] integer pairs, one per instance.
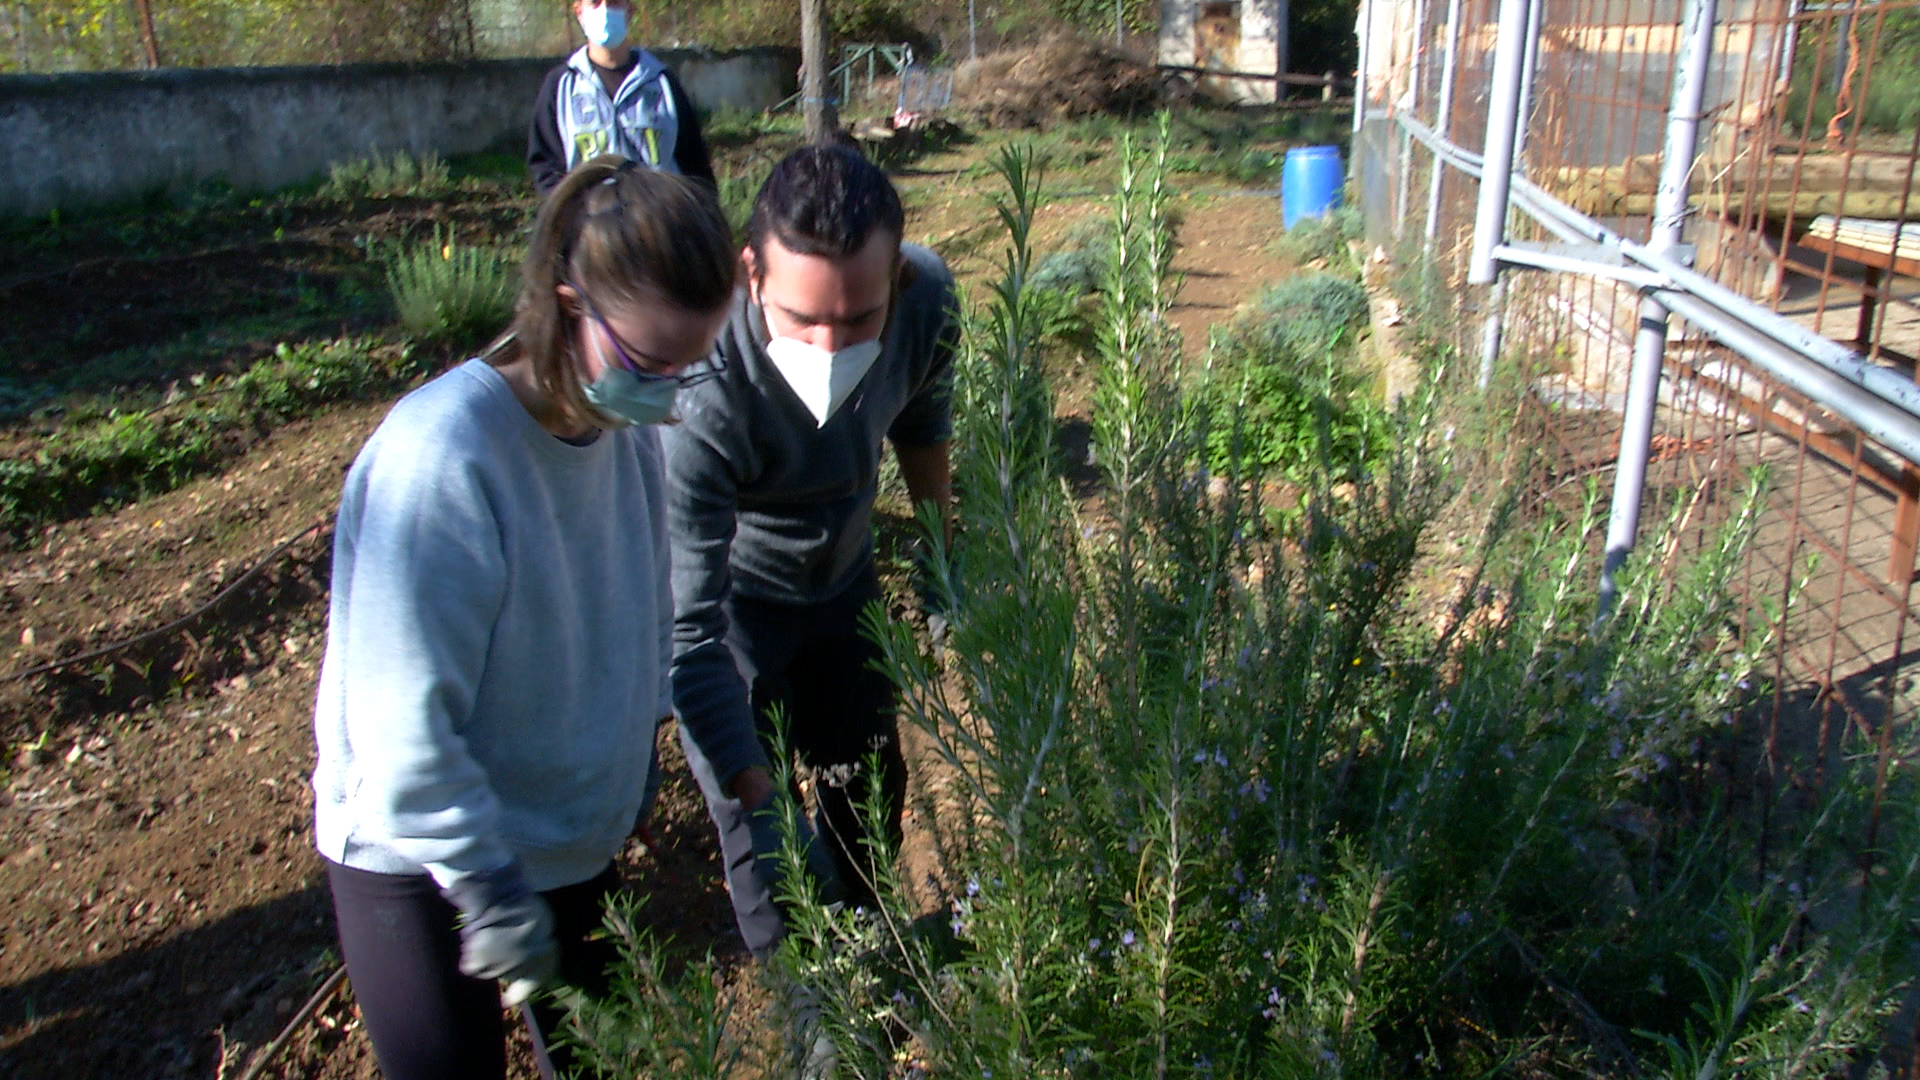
{"points": [[1247, 37]]}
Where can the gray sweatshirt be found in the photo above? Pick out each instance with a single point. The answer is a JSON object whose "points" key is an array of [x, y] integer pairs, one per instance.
{"points": [[765, 504], [497, 641]]}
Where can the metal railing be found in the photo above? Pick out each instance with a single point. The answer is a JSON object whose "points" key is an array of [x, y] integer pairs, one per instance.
{"points": [[895, 59]]}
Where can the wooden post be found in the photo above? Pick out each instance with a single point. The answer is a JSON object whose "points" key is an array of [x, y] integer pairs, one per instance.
{"points": [[148, 39], [822, 118], [1906, 530]]}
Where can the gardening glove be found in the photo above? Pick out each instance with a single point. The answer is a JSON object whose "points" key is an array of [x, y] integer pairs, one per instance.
{"points": [[506, 931], [763, 826], [938, 598]]}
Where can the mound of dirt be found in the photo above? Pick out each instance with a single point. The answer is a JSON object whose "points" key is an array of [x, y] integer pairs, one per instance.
{"points": [[1060, 78]]}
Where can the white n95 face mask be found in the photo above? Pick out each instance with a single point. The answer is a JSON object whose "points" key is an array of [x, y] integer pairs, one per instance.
{"points": [[823, 380]]}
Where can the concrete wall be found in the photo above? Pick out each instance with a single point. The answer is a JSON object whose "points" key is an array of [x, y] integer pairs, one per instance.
{"points": [[72, 140]]}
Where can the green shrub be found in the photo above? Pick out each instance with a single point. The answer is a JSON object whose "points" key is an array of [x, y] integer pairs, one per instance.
{"points": [[1308, 313], [387, 177], [1323, 237], [1887, 90], [1075, 266], [738, 188], [1282, 392], [446, 291]]}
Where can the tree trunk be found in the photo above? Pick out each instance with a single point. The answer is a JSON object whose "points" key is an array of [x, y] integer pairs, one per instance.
{"points": [[823, 119], [148, 39]]}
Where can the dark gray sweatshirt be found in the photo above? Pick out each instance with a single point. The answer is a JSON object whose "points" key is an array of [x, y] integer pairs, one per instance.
{"points": [[762, 503]]}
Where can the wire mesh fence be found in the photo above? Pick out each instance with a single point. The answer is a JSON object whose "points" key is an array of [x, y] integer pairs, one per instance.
{"points": [[1800, 198]]}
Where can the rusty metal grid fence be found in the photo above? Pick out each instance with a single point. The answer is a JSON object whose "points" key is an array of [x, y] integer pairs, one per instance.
{"points": [[1799, 197]]}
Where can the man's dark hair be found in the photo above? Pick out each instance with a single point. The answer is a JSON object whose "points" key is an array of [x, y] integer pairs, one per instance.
{"points": [[824, 200]]}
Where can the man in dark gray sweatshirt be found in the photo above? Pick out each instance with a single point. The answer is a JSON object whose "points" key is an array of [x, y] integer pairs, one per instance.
{"points": [[841, 338]]}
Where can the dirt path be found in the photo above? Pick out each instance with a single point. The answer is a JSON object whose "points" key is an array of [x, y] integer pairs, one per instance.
{"points": [[163, 908], [1225, 258]]}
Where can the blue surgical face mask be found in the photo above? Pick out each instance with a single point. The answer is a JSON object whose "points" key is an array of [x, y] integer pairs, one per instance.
{"points": [[604, 25], [628, 398]]}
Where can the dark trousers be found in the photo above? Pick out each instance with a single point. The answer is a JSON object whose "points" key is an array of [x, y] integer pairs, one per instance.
{"points": [[425, 1019], [815, 665]]}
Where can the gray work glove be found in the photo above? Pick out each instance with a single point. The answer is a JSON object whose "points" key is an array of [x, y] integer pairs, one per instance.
{"points": [[506, 931], [763, 825], [939, 595]]}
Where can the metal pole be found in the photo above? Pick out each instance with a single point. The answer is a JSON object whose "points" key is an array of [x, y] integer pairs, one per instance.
{"points": [[1491, 332], [1529, 70], [1523, 113], [1282, 44], [1443, 123], [1842, 27], [1649, 347], [1403, 193], [973, 36], [1503, 120], [1364, 27]]}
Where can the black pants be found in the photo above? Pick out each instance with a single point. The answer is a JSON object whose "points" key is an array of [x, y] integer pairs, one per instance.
{"points": [[814, 664], [426, 1020]]}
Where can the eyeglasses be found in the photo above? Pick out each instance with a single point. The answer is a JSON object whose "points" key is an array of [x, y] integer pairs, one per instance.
{"points": [[705, 370]]}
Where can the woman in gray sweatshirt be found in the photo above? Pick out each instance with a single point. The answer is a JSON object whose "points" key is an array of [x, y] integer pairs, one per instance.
{"points": [[500, 626]]}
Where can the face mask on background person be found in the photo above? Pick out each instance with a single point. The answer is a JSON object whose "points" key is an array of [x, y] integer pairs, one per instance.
{"points": [[604, 24], [823, 380]]}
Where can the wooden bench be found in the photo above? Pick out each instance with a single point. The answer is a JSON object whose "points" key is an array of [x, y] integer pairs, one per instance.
{"points": [[1880, 247]]}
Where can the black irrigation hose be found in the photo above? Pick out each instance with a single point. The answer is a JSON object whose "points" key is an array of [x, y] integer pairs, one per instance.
{"points": [[108, 650], [305, 1012]]}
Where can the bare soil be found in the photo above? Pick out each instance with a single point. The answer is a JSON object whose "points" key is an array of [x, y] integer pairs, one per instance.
{"points": [[162, 912]]}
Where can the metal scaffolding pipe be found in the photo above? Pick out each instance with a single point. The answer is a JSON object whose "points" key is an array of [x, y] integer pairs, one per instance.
{"points": [[1880, 420], [1403, 192], [1360, 71], [1503, 121], [1650, 341], [1443, 124], [1529, 69], [1830, 354]]}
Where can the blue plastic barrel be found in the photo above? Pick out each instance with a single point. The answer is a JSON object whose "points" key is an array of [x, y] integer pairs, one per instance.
{"points": [[1310, 183]]}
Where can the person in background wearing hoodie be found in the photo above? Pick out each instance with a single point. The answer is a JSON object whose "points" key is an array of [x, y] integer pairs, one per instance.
{"points": [[613, 98], [500, 629], [841, 340]]}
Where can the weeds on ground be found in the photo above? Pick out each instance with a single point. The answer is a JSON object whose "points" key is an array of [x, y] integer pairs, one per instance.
{"points": [[126, 456], [447, 291], [655, 1021], [738, 187], [1323, 238], [1283, 392], [387, 177]]}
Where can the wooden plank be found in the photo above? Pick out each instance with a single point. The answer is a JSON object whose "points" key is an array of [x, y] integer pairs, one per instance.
{"points": [[1875, 186], [1885, 260], [1774, 204], [1220, 73]]}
